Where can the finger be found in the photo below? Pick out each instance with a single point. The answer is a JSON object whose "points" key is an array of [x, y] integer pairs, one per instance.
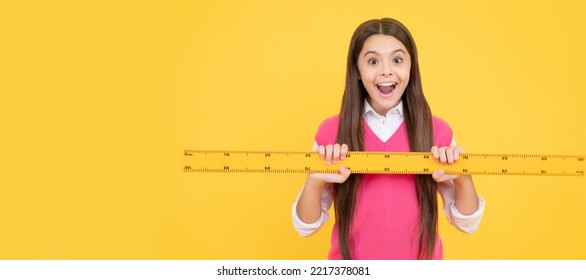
{"points": [[442, 154], [336, 155], [329, 151], [343, 151], [450, 154], [457, 152], [322, 152], [435, 153]]}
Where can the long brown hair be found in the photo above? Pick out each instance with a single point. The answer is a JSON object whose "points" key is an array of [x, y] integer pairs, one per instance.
{"points": [[418, 122]]}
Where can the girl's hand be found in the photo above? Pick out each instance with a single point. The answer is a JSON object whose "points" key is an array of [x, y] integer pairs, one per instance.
{"points": [[333, 154], [447, 155]]}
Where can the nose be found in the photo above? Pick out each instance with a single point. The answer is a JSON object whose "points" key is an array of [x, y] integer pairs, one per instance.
{"points": [[386, 70]]}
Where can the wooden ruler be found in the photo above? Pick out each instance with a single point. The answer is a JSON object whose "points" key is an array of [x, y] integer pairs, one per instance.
{"points": [[382, 163]]}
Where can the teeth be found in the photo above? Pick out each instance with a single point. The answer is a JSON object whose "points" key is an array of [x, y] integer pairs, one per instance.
{"points": [[387, 84]]}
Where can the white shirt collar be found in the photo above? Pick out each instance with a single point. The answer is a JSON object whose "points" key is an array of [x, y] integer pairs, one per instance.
{"points": [[397, 109]]}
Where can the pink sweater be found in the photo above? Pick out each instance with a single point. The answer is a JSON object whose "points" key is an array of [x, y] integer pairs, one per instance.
{"points": [[386, 217]]}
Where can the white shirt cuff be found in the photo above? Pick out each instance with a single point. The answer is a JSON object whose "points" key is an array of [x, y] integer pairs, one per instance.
{"points": [[467, 223]]}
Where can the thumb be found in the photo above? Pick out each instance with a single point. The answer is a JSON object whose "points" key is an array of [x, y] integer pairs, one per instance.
{"points": [[344, 174], [440, 176]]}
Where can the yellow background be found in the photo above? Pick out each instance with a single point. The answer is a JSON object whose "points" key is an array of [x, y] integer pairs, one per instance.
{"points": [[98, 99]]}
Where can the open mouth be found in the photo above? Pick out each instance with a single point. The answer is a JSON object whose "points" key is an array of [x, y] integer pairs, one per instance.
{"points": [[386, 88]]}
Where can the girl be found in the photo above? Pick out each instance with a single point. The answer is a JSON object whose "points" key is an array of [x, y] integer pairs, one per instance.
{"points": [[381, 216]]}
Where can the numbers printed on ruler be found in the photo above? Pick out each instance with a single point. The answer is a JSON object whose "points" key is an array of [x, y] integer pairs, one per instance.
{"points": [[380, 162]]}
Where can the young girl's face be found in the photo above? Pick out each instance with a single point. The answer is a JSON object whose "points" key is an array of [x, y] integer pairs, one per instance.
{"points": [[384, 65]]}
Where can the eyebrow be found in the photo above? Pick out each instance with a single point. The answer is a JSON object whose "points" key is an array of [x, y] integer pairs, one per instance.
{"points": [[395, 51]]}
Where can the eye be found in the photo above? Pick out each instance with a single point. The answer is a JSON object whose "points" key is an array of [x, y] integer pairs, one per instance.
{"points": [[372, 61], [398, 60]]}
